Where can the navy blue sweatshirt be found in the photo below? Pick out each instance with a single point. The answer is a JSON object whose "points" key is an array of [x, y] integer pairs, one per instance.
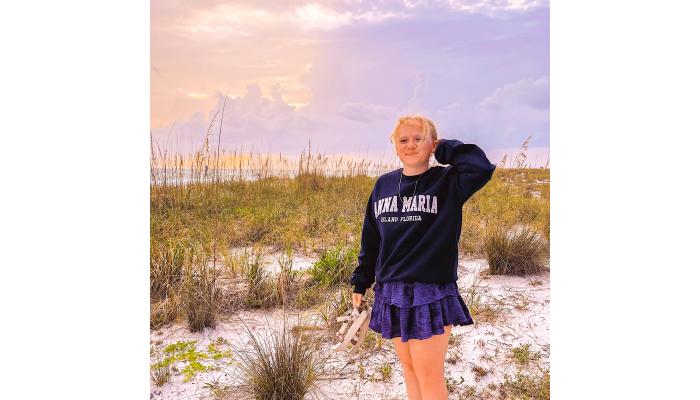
{"points": [[414, 239]]}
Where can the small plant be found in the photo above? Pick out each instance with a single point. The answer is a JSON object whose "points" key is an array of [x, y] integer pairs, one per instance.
{"points": [[453, 358], [452, 383], [473, 296], [216, 389], [519, 252], [335, 266], [373, 340], [261, 290], [168, 258], [526, 387], [484, 313], [280, 366], [521, 302], [201, 297], [523, 355], [336, 306], [310, 294], [287, 280], [252, 268], [160, 372], [469, 391], [231, 264], [479, 372], [191, 360], [385, 371], [454, 340], [165, 311]]}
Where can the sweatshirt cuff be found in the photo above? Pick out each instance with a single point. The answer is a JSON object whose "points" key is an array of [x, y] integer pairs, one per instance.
{"points": [[359, 289], [439, 150]]}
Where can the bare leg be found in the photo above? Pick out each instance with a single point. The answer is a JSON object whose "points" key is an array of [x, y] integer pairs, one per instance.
{"points": [[428, 358], [412, 388]]}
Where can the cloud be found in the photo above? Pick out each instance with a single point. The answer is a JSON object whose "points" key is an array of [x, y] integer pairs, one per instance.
{"points": [[525, 92], [243, 18], [247, 120], [343, 86], [367, 113]]}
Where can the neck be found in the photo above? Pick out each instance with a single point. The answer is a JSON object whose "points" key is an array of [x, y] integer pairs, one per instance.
{"points": [[411, 170]]}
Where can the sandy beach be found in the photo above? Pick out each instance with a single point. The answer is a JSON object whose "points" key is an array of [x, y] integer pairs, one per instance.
{"points": [[512, 318]]}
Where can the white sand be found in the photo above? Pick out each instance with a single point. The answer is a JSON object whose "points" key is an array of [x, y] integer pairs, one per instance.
{"points": [[523, 311]]}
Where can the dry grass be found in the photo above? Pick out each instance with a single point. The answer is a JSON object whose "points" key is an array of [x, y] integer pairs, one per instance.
{"points": [[208, 202], [201, 298], [160, 371], [165, 311], [261, 289], [522, 386], [281, 365], [523, 355], [516, 251], [168, 258]]}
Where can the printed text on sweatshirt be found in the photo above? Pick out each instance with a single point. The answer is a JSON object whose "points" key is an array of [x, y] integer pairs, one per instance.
{"points": [[414, 238]]}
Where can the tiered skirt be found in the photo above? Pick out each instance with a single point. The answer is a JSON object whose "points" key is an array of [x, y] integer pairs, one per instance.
{"points": [[417, 310]]}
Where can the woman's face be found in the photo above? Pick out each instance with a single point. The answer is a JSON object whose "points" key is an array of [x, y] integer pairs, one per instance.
{"points": [[412, 147]]}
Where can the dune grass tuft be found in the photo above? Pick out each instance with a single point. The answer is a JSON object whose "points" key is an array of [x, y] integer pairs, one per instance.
{"points": [[201, 298], [168, 258], [515, 251], [280, 365], [160, 370]]}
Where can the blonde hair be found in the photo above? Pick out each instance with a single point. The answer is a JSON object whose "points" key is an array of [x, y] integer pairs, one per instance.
{"points": [[426, 125]]}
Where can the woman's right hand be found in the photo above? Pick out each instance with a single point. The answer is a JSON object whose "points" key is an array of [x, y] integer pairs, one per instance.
{"points": [[356, 300]]}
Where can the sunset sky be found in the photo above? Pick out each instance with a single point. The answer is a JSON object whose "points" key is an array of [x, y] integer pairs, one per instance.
{"points": [[339, 73]]}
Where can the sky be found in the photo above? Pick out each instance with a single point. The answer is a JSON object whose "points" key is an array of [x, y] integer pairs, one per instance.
{"points": [[338, 74]]}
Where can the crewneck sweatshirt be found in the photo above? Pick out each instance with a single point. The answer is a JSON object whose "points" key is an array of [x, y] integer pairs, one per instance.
{"points": [[411, 238]]}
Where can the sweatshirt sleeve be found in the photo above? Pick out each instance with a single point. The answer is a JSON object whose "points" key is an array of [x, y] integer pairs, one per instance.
{"points": [[473, 168], [363, 276]]}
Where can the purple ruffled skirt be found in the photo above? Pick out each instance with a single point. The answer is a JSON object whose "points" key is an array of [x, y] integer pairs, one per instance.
{"points": [[416, 310]]}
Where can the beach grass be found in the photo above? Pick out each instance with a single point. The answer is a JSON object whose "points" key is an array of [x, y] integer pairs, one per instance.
{"points": [[200, 211], [203, 207], [516, 251], [283, 364]]}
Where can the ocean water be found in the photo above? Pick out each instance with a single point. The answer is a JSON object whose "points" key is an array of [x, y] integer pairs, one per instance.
{"points": [[163, 176]]}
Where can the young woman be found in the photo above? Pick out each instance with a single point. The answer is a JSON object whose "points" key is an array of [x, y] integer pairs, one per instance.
{"points": [[409, 245]]}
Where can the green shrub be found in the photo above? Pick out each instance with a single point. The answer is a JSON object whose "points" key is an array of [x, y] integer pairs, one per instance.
{"points": [[191, 360], [335, 265]]}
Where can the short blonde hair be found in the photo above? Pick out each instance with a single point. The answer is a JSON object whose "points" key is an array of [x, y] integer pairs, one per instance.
{"points": [[426, 125]]}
